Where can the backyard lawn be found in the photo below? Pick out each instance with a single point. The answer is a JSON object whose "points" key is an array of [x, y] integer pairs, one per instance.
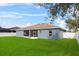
{"points": [[15, 46]]}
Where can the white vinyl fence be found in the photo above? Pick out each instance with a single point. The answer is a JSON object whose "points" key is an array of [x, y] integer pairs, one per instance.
{"points": [[68, 35], [7, 34], [71, 35], [65, 35], [77, 36]]}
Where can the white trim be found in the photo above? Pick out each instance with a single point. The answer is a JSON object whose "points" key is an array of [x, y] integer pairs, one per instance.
{"points": [[39, 28], [30, 37]]}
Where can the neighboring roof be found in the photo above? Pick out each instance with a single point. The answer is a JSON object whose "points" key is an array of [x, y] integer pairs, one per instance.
{"points": [[40, 26], [14, 28]]}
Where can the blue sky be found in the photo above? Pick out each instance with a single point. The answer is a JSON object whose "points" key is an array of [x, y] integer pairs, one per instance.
{"points": [[23, 15]]}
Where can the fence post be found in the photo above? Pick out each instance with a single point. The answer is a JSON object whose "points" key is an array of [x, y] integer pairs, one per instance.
{"points": [[77, 36]]}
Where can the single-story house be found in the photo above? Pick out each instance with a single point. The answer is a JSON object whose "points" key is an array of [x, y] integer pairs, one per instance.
{"points": [[43, 30]]}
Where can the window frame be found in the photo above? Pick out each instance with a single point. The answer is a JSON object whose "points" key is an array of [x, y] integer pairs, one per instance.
{"points": [[26, 32], [50, 32]]}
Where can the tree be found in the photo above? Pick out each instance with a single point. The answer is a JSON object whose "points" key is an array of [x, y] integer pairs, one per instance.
{"points": [[73, 24], [63, 9], [56, 9]]}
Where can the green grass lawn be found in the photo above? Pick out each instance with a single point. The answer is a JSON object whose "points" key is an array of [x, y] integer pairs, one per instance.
{"points": [[15, 46]]}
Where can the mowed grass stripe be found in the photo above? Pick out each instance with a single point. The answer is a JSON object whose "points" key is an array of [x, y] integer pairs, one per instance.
{"points": [[18, 46]]}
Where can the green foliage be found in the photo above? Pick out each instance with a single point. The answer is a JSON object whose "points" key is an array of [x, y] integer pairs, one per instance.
{"points": [[63, 9], [58, 8], [73, 24], [17, 46]]}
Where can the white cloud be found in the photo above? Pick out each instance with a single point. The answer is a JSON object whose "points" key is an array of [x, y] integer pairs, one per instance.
{"points": [[23, 25], [9, 15], [28, 4], [44, 14], [7, 4], [32, 4], [16, 25], [36, 6], [29, 24], [12, 4], [60, 23]]}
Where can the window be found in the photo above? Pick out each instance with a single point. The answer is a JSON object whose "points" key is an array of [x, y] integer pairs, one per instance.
{"points": [[26, 33], [50, 32], [34, 33]]}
